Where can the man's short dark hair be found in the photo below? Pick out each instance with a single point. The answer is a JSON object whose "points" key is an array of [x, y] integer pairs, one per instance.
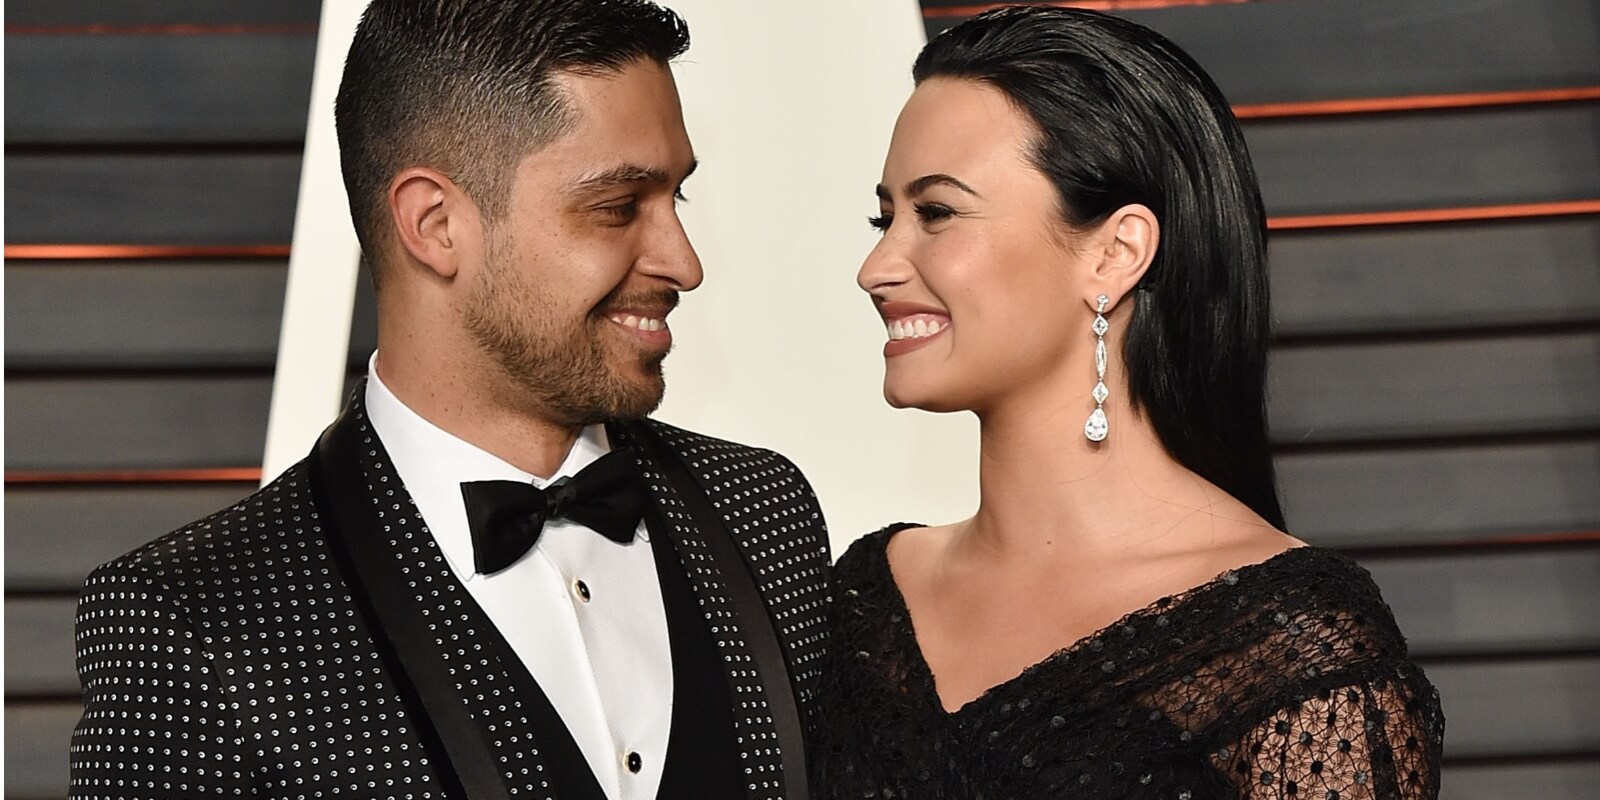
{"points": [[465, 87]]}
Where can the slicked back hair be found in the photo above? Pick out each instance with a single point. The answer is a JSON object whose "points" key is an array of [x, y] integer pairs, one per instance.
{"points": [[466, 87], [1123, 117]]}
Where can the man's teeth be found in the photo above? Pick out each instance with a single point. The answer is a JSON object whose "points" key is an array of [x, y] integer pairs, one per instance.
{"points": [[641, 323], [914, 329]]}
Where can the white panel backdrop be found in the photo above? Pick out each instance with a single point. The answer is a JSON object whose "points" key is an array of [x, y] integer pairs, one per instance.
{"points": [[790, 109]]}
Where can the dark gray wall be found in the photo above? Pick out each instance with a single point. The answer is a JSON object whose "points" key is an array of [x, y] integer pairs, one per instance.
{"points": [[1436, 389]]}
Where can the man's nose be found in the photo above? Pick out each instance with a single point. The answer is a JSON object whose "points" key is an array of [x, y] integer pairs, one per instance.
{"points": [[670, 256]]}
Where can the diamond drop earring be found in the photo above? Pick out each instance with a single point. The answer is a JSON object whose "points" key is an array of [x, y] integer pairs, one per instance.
{"points": [[1096, 428]]}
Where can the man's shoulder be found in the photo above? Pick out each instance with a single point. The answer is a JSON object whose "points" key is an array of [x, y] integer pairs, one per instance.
{"points": [[751, 486], [232, 539], [714, 457]]}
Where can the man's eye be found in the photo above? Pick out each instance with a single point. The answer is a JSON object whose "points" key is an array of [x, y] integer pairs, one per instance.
{"points": [[622, 212]]}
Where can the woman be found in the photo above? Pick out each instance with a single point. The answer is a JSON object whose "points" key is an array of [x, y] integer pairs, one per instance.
{"points": [[1073, 249]]}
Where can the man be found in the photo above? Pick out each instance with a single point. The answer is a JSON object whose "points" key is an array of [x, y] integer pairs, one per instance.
{"points": [[491, 578]]}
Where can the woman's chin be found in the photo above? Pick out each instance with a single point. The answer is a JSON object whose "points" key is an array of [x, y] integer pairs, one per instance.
{"points": [[921, 398]]}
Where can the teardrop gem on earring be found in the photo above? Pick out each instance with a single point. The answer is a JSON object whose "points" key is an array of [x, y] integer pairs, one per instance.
{"points": [[1096, 428]]}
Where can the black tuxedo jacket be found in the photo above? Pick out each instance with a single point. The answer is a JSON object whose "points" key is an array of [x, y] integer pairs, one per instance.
{"points": [[254, 652]]}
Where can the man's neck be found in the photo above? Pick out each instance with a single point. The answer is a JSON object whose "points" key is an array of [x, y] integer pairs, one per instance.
{"points": [[483, 416]]}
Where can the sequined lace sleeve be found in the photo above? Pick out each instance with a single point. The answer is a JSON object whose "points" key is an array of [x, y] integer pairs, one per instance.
{"points": [[1373, 740], [1348, 718]]}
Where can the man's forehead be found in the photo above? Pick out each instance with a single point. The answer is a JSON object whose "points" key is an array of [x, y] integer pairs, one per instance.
{"points": [[622, 126], [627, 90]]}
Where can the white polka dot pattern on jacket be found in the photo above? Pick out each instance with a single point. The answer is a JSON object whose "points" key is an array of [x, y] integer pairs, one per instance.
{"points": [[229, 659]]}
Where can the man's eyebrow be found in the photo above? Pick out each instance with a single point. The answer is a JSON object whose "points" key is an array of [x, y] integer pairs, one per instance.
{"points": [[623, 174]]}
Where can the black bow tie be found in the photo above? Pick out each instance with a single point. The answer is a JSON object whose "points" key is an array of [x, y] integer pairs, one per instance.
{"points": [[506, 517]]}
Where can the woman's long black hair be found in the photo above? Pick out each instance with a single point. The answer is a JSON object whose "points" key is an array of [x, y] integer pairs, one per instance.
{"points": [[1124, 117]]}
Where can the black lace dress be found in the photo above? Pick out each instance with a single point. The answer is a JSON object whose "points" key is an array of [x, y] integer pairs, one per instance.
{"points": [[1285, 679]]}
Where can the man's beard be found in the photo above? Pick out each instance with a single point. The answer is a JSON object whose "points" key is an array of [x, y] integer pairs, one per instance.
{"points": [[563, 372]]}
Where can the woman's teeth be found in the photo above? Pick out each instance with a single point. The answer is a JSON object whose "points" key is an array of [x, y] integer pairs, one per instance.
{"points": [[914, 329]]}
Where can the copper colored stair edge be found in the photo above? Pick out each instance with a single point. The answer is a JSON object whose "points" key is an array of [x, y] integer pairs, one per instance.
{"points": [[1418, 102], [132, 476], [1552, 757], [140, 252], [1465, 547], [1425, 216], [1093, 5]]}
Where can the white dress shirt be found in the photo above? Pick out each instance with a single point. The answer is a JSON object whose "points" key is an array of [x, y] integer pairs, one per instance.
{"points": [[583, 613]]}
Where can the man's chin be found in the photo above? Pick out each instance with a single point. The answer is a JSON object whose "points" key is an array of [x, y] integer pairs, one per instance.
{"points": [[638, 392], [645, 402]]}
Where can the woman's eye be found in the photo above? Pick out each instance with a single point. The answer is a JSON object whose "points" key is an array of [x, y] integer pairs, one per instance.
{"points": [[881, 222], [933, 212], [678, 196]]}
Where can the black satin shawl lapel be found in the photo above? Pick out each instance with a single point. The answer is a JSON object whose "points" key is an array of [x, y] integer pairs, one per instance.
{"points": [[386, 576], [731, 600]]}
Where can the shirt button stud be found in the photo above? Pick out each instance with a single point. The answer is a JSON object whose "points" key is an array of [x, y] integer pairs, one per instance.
{"points": [[635, 763], [581, 589]]}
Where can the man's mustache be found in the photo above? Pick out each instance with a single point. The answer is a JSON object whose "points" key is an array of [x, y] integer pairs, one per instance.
{"points": [[657, 302]]}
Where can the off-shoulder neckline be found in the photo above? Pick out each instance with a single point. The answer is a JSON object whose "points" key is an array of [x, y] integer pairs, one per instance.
{"points": [[880, 561]]}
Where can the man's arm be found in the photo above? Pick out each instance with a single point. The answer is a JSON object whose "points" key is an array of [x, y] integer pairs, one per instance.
{"points": [[156, 722]]}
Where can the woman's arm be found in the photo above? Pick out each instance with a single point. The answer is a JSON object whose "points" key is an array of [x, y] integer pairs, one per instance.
{"points": [[1379, 738]]}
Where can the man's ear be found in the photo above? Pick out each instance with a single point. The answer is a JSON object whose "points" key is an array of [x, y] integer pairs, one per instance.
{"points": [[431, 215], [1129, 238]]}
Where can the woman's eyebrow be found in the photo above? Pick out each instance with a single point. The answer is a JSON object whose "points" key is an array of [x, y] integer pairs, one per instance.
{"points": [[927, 182]]}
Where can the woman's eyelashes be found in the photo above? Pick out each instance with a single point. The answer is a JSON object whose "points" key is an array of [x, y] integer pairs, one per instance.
{"points": [[929, 213]]}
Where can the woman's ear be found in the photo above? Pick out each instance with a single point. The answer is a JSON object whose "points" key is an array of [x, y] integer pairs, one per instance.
{"points": [[430, 214], [1128, 239]]}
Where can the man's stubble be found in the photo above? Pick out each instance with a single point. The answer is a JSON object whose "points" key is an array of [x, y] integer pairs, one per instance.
{"points": [[560, 368]]}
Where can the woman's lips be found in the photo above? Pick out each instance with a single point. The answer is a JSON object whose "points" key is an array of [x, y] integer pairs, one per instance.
{"points": [[911, 326]]}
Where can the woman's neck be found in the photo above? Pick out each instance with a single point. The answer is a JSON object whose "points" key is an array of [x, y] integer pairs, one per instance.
{"points": [[1046, 490]]}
